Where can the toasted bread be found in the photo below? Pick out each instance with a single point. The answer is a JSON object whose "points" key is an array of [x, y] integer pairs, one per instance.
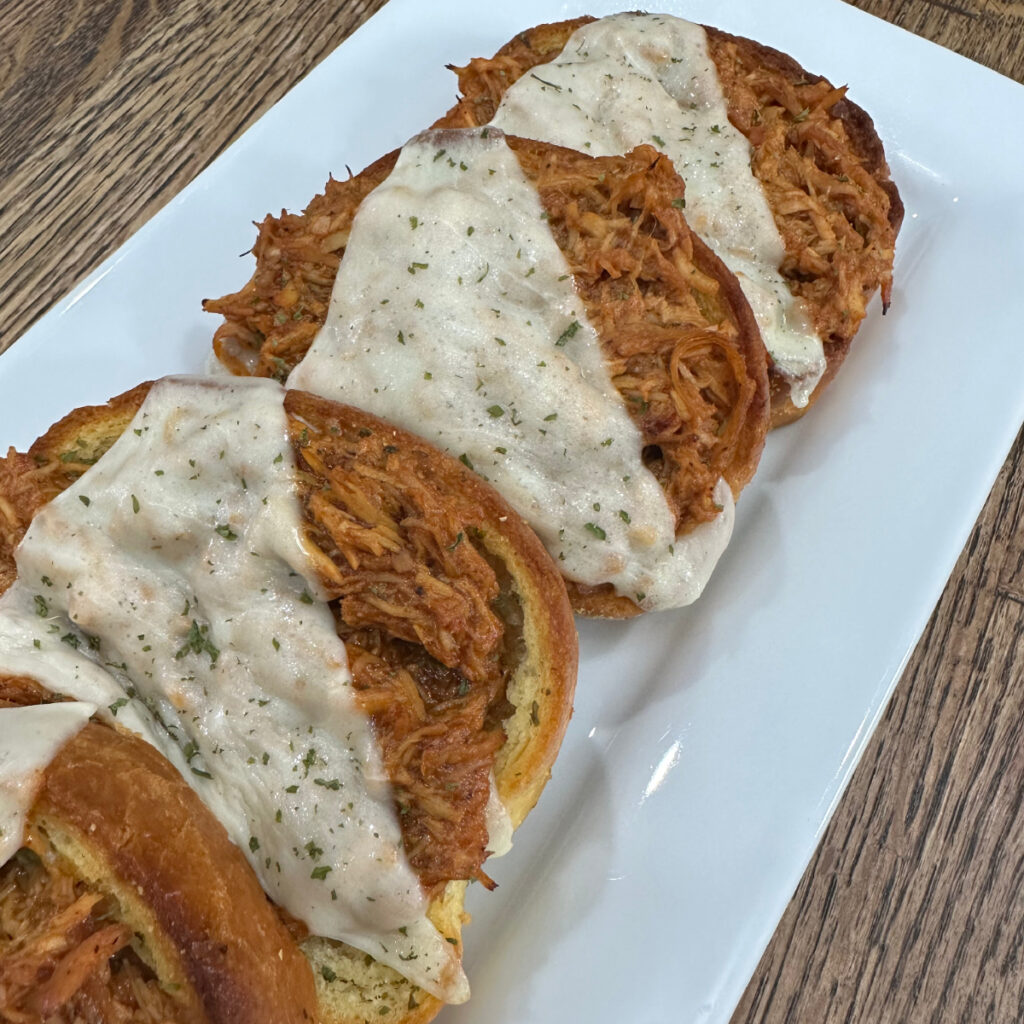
{"points": [[494, 682], [113, 819], [676, 333], [815, 152]]}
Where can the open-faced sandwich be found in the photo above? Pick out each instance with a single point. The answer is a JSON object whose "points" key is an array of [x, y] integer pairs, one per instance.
{"points": [[547, 317], [276, 677], [785, 177]]}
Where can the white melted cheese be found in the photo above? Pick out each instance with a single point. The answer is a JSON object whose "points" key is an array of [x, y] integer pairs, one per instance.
{"points": [[169, 586], [30, 738], [630, 79], [499, 824], [454, 314]]}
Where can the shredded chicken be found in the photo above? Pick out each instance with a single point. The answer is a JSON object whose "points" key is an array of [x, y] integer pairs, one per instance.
{"points": [[270, 324], [414, 599], [815, 153], [821, 167], [64, 958], [428, 653], [672, 343], [670, 340], [61, 957]]}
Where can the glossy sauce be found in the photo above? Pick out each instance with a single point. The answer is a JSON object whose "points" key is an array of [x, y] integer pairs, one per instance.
{"points": [[169, 586], [630, 79], [454, 315]]}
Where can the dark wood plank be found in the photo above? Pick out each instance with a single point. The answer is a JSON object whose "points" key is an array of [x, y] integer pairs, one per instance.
{"points": [[110, 109], [912, 909], [988, 31]]}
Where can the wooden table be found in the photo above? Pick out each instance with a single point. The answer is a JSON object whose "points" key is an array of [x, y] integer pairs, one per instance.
{"points": [[913, 906]]}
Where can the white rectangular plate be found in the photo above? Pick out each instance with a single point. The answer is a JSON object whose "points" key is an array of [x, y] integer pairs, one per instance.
{"points": [[709, 746]]}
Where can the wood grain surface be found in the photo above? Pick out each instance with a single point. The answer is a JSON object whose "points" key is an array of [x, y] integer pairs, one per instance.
{"points": [[912, 909]]}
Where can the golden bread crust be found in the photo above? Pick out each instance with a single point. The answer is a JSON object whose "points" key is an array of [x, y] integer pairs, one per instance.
{"points": [[145, 828], [114, 807]]}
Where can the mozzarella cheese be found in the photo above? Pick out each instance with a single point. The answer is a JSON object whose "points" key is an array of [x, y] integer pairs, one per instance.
{"points": [[169, 586], [30, 738], [630, 79], [454, 315]]}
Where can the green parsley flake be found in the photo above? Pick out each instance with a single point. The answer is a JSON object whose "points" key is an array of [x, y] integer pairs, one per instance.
{"points": [[198, 642], [568, 333]]}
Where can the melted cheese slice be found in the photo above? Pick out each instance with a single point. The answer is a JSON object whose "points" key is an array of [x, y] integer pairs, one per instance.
{"points": [[454, 315], [30, 738], [630, 79], [169, 586]]}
